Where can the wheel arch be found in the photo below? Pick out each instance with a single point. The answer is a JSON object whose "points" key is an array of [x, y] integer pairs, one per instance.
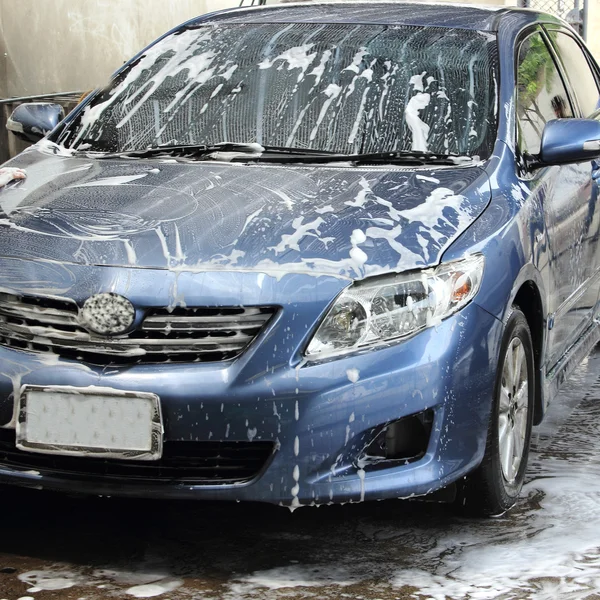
{"points": [[528, 299]]}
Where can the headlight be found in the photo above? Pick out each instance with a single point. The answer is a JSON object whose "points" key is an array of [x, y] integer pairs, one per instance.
{"points": [[387, 308]]}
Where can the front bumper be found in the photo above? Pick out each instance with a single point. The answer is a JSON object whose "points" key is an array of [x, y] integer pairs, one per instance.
{"points": [[318, 415]]}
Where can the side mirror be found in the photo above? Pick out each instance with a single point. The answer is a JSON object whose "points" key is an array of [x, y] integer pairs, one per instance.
{"points": [[569, 141], [33, 121]]}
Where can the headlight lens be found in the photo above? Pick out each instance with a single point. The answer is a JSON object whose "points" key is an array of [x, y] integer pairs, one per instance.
{"points": [[391, 307]]}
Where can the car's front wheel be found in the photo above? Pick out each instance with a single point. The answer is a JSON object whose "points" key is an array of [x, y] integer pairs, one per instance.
{"points": [[495, 486]]}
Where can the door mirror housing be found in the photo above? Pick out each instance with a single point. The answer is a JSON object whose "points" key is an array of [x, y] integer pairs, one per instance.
{"points": [[567, 141], [32, 121]]}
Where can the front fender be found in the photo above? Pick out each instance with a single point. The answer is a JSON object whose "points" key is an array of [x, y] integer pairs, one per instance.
{"points": [[511, 234]]}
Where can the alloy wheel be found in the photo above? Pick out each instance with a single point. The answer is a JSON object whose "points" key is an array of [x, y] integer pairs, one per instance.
{"points": [[513, 409]]}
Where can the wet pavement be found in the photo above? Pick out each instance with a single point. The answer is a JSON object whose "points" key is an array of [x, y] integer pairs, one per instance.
{"points": [[58, 548]]}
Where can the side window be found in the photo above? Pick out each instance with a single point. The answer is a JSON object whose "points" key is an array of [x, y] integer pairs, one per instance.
{"points": [[541, 94], [578, 72]]}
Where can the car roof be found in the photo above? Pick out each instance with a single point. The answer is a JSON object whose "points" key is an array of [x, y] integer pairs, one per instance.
{"points": [[432, 14]]}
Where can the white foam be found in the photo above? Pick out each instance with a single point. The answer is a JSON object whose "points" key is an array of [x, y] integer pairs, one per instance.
{"points": [[417, 82], [120, 180], [425, 178], [332, 91], [296, 576], [46, 580], [298, 57], [151, 590], [353, 376], [301, 230], [418, 128]]}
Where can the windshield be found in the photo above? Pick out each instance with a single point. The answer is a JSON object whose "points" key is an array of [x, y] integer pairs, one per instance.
{"points": [[328, 87]]}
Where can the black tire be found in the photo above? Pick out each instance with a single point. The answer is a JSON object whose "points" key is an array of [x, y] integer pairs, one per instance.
{"points": [[487, 491]]}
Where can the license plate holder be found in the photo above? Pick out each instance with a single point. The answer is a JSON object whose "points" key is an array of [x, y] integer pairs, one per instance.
{"points": [[93, 422]]}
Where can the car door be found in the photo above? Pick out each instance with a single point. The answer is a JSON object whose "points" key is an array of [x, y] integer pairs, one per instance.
{"points": [[583, 75], [563, 192]]}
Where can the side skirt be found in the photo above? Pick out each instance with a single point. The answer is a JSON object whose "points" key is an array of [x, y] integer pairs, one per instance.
{"points": [[571, 360]]}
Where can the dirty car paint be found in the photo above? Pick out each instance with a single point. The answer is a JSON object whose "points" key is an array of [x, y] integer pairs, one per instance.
{"points": [[180, 239], [212, 216]]}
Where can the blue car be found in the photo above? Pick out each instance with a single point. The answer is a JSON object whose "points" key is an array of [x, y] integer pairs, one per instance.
{"points": [[304, 254]]}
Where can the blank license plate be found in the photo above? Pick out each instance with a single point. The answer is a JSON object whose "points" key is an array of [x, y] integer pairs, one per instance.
{"points": [[95, 422]]}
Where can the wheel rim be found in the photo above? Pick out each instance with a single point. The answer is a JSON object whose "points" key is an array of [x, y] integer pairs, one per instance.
{"points": [[514, 406]]}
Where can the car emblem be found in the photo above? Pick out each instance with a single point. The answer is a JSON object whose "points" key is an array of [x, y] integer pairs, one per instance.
{"points": [[107, 314]]}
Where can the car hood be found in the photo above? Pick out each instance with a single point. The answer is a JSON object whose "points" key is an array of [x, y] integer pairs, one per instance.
{"points": [[162, 214]]}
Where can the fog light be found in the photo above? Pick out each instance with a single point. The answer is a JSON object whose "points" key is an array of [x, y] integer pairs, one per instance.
{"points": [[406, 439]]}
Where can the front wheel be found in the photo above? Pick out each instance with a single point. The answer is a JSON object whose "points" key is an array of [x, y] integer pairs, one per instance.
{"points": [[495, 486]]}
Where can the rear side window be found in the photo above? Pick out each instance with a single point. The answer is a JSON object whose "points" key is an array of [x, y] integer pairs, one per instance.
{"points": [[578, 71], [541, 93]]}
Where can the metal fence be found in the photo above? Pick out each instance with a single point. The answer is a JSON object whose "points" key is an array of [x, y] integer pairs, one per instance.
{"points": [[572, 11]]}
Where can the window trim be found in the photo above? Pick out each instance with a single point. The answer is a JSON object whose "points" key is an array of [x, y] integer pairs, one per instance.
{"points": [[522, 169], [591, 64]]}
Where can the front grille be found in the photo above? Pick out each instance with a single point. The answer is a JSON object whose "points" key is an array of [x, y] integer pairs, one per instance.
{"points": [[201, 334], [182, 462]]}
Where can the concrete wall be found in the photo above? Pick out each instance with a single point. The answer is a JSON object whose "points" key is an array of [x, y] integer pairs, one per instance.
{"points": [[65, 45]]}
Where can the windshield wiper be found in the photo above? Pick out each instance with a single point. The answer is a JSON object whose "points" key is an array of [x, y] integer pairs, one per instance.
{"points": [[405, 156], [253, 152], [398, 158], [238, 151]]}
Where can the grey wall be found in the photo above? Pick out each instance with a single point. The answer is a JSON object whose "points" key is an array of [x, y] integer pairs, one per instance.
{"points": [[49, 46], [64, 45]]}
